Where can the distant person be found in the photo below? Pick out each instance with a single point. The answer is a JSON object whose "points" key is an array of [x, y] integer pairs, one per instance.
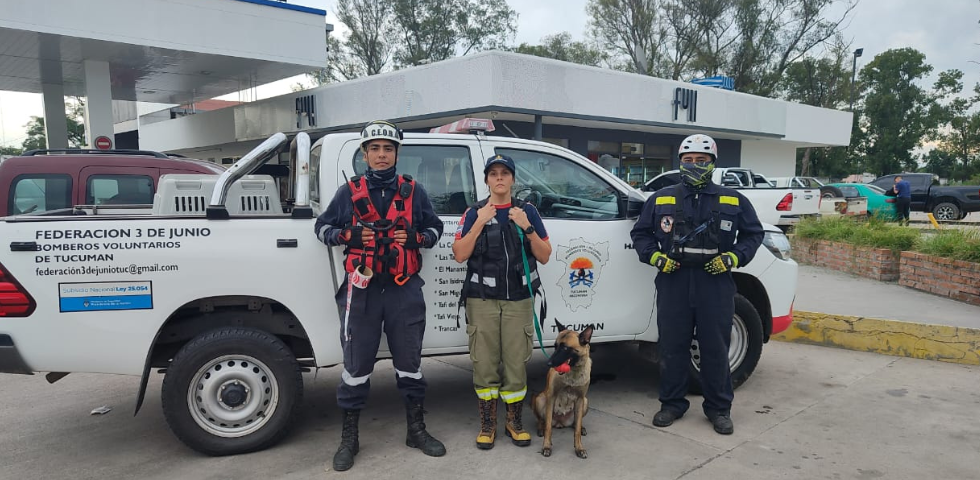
{"points": [[903, 200]]}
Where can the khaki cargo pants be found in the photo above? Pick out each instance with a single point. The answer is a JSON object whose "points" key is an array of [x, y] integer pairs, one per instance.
{"points": [[500, 332]]}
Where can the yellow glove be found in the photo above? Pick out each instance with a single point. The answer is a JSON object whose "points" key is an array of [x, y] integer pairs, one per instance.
{"points": [[664, 263], [722, 263]]}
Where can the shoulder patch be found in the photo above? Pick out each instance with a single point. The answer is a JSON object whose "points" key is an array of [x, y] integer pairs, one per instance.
{"points": [[727, 200], [669, 200]]}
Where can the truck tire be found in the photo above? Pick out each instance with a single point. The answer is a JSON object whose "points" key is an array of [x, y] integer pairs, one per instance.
{"points": [[946, 211], [828, 191], [745, 350], [232, 390]]}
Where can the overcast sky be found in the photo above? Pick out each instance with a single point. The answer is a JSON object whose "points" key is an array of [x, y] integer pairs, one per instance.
{"points": [[946, 31]]}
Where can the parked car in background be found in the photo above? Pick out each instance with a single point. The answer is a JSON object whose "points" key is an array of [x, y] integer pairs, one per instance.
{"points": [[826, 191], [46, 180], [782, 207], [944, 202], [878, 203]]}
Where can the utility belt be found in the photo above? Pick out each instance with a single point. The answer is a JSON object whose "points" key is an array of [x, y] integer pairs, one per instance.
{"points": [[693, 257]]}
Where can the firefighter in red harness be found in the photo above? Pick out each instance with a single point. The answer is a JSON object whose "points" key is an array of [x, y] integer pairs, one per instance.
{"points": [[381, 219]]}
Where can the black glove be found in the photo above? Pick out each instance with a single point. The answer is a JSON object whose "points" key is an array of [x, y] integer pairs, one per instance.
{"points": [[351, 236], [415, 239]]}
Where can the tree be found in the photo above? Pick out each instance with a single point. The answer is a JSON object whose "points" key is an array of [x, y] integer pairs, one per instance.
{"points": [[10, 151], [959, 135], [561, 47], [386, 34], [753, 41], [75, 116], [369, 42], [940, 162], [434, 30], [898, 114], [341, 66], [629, 28], [821, 82]]}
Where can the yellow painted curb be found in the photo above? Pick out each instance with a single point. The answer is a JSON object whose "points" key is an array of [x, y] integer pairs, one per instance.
{"points": [[889, 337]]}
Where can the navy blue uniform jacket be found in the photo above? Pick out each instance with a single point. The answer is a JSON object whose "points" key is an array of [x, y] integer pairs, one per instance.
{"points": [[740, 230]]}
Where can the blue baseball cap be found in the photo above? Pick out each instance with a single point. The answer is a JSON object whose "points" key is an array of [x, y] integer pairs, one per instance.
{"points": [[502, 160]]}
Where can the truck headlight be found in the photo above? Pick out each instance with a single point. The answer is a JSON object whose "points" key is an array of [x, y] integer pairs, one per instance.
{"points": [[778, 244]]}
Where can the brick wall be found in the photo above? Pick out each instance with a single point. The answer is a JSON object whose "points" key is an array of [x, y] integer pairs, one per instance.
{"points": [[955, 279], [875, 263]]}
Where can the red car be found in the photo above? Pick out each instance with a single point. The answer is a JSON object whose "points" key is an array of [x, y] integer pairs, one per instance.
{"points": [[45, 180]]}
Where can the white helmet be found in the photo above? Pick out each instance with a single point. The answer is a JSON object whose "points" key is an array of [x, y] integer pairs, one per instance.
{"points": [[699, 143], [381, 130]]}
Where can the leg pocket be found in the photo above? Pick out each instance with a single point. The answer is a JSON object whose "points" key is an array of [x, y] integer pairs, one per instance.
{"points": [[529, 333], [471, 333]]}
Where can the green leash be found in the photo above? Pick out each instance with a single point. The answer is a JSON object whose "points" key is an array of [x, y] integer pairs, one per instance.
{"points": [[527, 275]]}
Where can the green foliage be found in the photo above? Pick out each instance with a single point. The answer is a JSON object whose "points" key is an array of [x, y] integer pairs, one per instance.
{"points": [[898, 113], [434, 30], [952, 243], [873, 232], [75, 117], [957, 244], [561, 47], [10, 151], [752, 41], [386, 34]]}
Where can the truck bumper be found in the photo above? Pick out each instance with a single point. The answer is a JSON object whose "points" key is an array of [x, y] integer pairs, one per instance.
{"points": [[794, 219], [10, 359]]}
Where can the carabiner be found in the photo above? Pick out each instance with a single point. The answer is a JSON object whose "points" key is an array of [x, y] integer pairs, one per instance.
{"points": [[401, 279]]}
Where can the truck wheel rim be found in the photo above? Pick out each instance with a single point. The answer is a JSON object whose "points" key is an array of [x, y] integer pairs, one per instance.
{"points": [[737, 350], [944, 213], [208, 396]]}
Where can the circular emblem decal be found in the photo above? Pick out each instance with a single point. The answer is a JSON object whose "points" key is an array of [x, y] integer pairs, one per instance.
{"points": [[667, 223]]}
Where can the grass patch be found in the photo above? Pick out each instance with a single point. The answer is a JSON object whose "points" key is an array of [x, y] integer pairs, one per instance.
{"points": [[873, 232], [951, 243]]}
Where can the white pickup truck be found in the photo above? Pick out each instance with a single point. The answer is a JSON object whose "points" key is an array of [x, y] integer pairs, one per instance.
{"points": [[231, 295], [782, 207]]}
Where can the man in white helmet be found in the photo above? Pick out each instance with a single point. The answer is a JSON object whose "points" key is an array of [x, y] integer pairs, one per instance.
{"points": [[381, 219], [695, 233]]}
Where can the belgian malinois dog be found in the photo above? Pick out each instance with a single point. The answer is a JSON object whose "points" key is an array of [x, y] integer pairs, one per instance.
{"points": [[563, 402]]}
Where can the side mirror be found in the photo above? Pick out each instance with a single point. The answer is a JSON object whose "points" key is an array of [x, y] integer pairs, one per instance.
{"points": [[633, 204]]}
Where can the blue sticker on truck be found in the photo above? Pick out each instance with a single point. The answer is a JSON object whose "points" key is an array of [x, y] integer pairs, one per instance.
{"points": [[101, 296]]}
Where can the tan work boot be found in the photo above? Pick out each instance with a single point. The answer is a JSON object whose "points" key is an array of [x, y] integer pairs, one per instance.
{"points": [[488, 424], [515, 428]]}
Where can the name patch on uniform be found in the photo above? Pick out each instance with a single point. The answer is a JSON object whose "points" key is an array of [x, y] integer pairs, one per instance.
{"points": [[726, 225], [728, 200], [666, 201], [667, 223]]}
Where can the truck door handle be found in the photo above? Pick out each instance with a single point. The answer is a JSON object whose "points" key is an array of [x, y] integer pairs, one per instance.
{"points": [[23, 246], [287, 243]]}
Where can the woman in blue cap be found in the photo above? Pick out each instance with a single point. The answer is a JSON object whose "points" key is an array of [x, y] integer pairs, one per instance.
{"points": [[498, 300]]}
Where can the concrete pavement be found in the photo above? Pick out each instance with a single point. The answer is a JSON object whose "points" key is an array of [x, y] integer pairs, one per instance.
{"points": [[842, 310], [807, 412]]}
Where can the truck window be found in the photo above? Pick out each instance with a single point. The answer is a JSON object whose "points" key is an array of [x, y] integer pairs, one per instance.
{"points": [[37, 193], [119, 190], [315, 174], [663, 181], [560, 188], [444, 171]]}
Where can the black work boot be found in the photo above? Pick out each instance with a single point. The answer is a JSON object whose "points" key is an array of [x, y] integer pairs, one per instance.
{"points": [[344, 458], [417, 436], [723, 424], [665, 418]]}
